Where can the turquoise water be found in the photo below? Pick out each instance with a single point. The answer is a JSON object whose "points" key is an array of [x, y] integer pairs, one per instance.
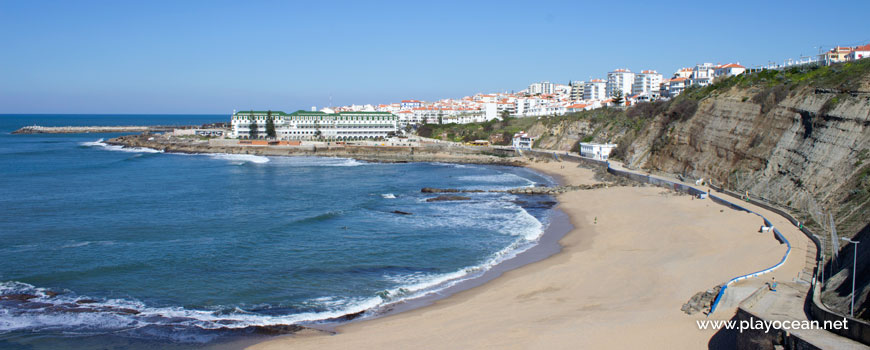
{"points": [[186, 248]]}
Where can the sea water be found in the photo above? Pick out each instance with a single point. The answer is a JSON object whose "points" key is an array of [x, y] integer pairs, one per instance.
{"points": [[183, 249]]}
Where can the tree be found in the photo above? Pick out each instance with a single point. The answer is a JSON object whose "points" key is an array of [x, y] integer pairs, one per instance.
{"points": [[317, 131], [618, 97], [505, 115], [270, 125], [252, 134]]}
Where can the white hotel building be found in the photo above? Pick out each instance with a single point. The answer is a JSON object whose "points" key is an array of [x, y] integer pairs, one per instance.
{"points": [[302, 125]]}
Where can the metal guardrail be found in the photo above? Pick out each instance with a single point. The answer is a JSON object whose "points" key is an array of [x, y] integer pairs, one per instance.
{"points": [[858, 330]]}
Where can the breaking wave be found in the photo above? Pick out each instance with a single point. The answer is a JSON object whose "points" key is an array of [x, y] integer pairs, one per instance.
{"points": [[103, 145]]}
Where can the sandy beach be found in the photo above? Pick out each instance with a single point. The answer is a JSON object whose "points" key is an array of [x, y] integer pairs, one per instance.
{"points": [[634, 257]]}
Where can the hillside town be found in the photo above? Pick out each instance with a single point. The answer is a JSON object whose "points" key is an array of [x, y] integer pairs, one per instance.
{"points": [[620, 87]]}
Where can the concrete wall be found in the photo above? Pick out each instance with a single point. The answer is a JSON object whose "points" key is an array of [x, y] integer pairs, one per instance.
{"points": [[757, 339], [859, 330]]}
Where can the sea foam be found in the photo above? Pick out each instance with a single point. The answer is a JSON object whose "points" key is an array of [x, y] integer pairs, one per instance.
{"points": [[108, 147], [241, 158]]}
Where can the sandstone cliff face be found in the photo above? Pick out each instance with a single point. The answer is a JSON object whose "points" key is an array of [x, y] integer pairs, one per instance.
{"points": [[807, 151]]}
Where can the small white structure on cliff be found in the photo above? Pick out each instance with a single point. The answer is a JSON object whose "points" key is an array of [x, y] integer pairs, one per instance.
{"points": [[599, 151], [522, 140]]}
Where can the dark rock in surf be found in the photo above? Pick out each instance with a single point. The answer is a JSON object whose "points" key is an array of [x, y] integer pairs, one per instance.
{"points": [[438, 190], [448, 198], [127, 311], [17, 297], [401, 212]]}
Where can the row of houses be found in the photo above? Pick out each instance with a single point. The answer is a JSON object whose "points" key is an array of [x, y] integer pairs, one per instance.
{"points": [[845, 54]]}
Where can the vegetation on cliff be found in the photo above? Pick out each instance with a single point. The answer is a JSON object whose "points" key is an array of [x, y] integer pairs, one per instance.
{"points": [[798, 137]]}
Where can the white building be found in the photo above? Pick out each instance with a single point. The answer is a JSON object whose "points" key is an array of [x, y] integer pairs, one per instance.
{"points": [[577, 90], [542, 88], [859, 52], [619, 80], [683, 73], [408, 104], [595, 89], [647, 83], [578, 107], [600, 151], [673, 87], [730, 69], [702, 74], [522, 140], [302, 125], [490, 111]]}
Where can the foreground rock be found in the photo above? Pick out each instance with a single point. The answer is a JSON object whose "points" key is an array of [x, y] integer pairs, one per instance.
{"points": [[701, 301]]}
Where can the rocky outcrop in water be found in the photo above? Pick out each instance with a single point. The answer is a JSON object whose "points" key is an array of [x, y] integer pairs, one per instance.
{"points": [[427, 153], [443, 198]]}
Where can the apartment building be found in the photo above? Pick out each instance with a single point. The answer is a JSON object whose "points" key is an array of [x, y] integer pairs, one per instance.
{"points": [[594, 89], [619, 80], [647, 83]]}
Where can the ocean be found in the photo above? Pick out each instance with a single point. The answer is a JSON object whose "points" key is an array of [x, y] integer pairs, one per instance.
{"points": [[134, 247]]}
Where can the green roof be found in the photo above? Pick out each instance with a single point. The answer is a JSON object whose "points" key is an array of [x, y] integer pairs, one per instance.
{"points": [[276, 113], [309, 113]]}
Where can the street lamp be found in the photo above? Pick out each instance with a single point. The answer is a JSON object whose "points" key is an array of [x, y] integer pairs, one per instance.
{"points": [[854, 264]]}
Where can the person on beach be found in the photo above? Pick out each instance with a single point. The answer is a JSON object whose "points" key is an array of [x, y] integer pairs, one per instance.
{"points": [[772, 285]]}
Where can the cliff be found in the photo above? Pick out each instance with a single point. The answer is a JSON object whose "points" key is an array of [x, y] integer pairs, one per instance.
{"points": [[798, 138]]}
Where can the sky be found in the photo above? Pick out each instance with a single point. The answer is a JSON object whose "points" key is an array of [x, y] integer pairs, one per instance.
{"points": [[203, 57]]}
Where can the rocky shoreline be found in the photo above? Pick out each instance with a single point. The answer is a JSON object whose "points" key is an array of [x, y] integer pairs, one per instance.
{"points": [[384, 154]]}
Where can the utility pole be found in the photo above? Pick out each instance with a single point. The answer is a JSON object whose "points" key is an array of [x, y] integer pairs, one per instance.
{"points": [[854, 272]]}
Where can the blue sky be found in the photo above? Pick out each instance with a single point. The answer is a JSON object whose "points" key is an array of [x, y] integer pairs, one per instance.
{"points": [[216, 56]]}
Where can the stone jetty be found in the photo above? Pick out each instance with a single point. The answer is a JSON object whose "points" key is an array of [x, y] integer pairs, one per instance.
{"points": [[521, 190], [36, 129]]}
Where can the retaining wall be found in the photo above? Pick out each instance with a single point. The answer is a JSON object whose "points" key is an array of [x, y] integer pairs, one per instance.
{"points": [[858, 330]]}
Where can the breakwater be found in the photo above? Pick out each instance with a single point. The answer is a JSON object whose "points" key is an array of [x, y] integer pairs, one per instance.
{"points": [[36, 129], [436, 152]]}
